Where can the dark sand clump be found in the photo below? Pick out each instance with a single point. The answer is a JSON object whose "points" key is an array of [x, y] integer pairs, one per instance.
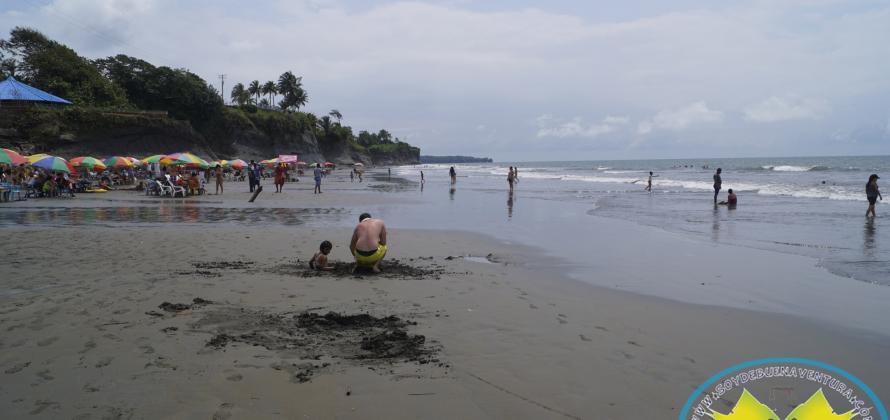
{"points": [[179, 307], [358, 338], [392, 269]]}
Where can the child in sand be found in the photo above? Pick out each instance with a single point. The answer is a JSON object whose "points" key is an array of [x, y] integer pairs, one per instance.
{"points": [[319, 261]]}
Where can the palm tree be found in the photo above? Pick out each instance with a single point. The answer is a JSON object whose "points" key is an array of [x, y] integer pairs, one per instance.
{"points": [[254, 90], [336, 114], [263, 103], [239, 94], [325, 124], [291, 87], [269, 89]]}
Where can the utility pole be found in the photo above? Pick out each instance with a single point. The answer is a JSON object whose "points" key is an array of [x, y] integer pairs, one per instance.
{"points": [[222, 87]]}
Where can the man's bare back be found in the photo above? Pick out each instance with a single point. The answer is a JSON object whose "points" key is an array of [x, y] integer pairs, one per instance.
{"points": [[368, 244]]}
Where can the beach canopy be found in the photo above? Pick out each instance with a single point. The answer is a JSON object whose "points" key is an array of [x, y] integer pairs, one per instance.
{"points": [[237, 164], [35, 158], [118, 162], [328, 164], [184, 159], [53, 163], [10, 157], [153, 159], [359, 164], [87, 162], [134, 161], [14, 90]]}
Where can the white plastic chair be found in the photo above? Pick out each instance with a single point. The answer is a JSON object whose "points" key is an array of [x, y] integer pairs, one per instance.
{"points": [[175, 189], [163, 189]]}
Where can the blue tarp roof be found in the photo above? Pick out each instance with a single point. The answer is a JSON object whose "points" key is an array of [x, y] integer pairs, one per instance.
{"points": [[13, 90]]}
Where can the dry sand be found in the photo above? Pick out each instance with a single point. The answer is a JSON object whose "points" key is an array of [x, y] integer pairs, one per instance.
{"points": [[86, 334]]}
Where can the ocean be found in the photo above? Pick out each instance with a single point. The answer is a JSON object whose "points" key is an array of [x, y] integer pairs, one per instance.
{"points": [[810, 206]]}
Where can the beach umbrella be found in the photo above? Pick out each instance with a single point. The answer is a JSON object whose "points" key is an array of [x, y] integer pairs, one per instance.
{"points": [[301, 163], [35, 158], [358, 164], [328, 164], [118, 162], [87, 162], [153, 159], [134, 161], [184, 159], [269, 162], [53, 163], [12, 158], [237, 164]]}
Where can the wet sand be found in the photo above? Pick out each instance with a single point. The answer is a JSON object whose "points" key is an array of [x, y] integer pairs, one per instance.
{"points": [[223, 320]]}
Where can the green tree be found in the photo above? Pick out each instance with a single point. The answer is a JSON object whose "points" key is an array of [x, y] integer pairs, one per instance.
{"points": [[240, 95], [291, 88], [55, 68], [326, 125], [184, 95], [336, 114], [254, 90], [270, 89]]}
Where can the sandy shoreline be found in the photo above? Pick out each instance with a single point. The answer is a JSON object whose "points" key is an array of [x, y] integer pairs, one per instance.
{"points": [[85, 337]]}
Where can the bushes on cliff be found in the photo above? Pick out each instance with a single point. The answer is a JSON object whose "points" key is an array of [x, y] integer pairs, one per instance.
{"points": [[57, 69]]}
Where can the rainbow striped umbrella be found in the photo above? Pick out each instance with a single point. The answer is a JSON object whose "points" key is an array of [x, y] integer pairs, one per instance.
{"points": [[54, 163], [35, 158], [11, 158], [237, 164], [185, 159], [134, 161], [153, 159], [118, 162], [87, 162]]}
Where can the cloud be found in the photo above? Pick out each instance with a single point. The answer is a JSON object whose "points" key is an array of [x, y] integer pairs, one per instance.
{"points": [[548, 126], [681, 118], [776, 109], [432, 68]]}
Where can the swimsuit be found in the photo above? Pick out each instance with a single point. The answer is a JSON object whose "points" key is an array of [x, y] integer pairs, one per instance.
{"points": [[369, 258]]}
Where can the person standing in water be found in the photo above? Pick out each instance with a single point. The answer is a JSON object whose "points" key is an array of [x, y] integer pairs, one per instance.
{"points": [[317, 174], [511, 177], [872, 193], [453, 174], [718, 183], [649, 184], [218, 173], [422, 181]]}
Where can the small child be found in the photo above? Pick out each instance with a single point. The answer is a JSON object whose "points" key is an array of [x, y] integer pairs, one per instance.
{"points": [[319, 261]]}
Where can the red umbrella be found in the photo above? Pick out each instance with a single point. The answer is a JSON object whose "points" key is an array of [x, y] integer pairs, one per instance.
{"points": [[328, 164], [11, 157]]}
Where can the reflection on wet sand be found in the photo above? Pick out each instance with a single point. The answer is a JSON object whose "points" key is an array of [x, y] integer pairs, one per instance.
{"points": [[868, 239], [510, 205], [162, 214]]}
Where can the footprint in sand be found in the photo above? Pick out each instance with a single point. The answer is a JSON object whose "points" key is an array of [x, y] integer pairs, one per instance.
{"points": [[601, 328], [532, 306], [44, 374], [17, 367], [47, 341], [235, 377], [90, 388], [562, 318], [223, 413], [634, 343], [89, 345], [105, 361], [584, 337], [41, 405]]}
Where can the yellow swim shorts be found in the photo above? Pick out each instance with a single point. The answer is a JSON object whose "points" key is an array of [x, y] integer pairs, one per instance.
{"points": [[367, 258]]}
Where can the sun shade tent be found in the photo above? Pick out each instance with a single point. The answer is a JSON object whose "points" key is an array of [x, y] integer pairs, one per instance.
{"points": [[12, 90]]}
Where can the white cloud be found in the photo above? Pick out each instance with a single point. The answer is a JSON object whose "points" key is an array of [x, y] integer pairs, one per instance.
{"points": [[681, 118], [776, 109], [548, 126], [429, 67]]}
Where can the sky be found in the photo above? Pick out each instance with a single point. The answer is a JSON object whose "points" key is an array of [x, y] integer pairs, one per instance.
{"points": [[523, 80]]}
